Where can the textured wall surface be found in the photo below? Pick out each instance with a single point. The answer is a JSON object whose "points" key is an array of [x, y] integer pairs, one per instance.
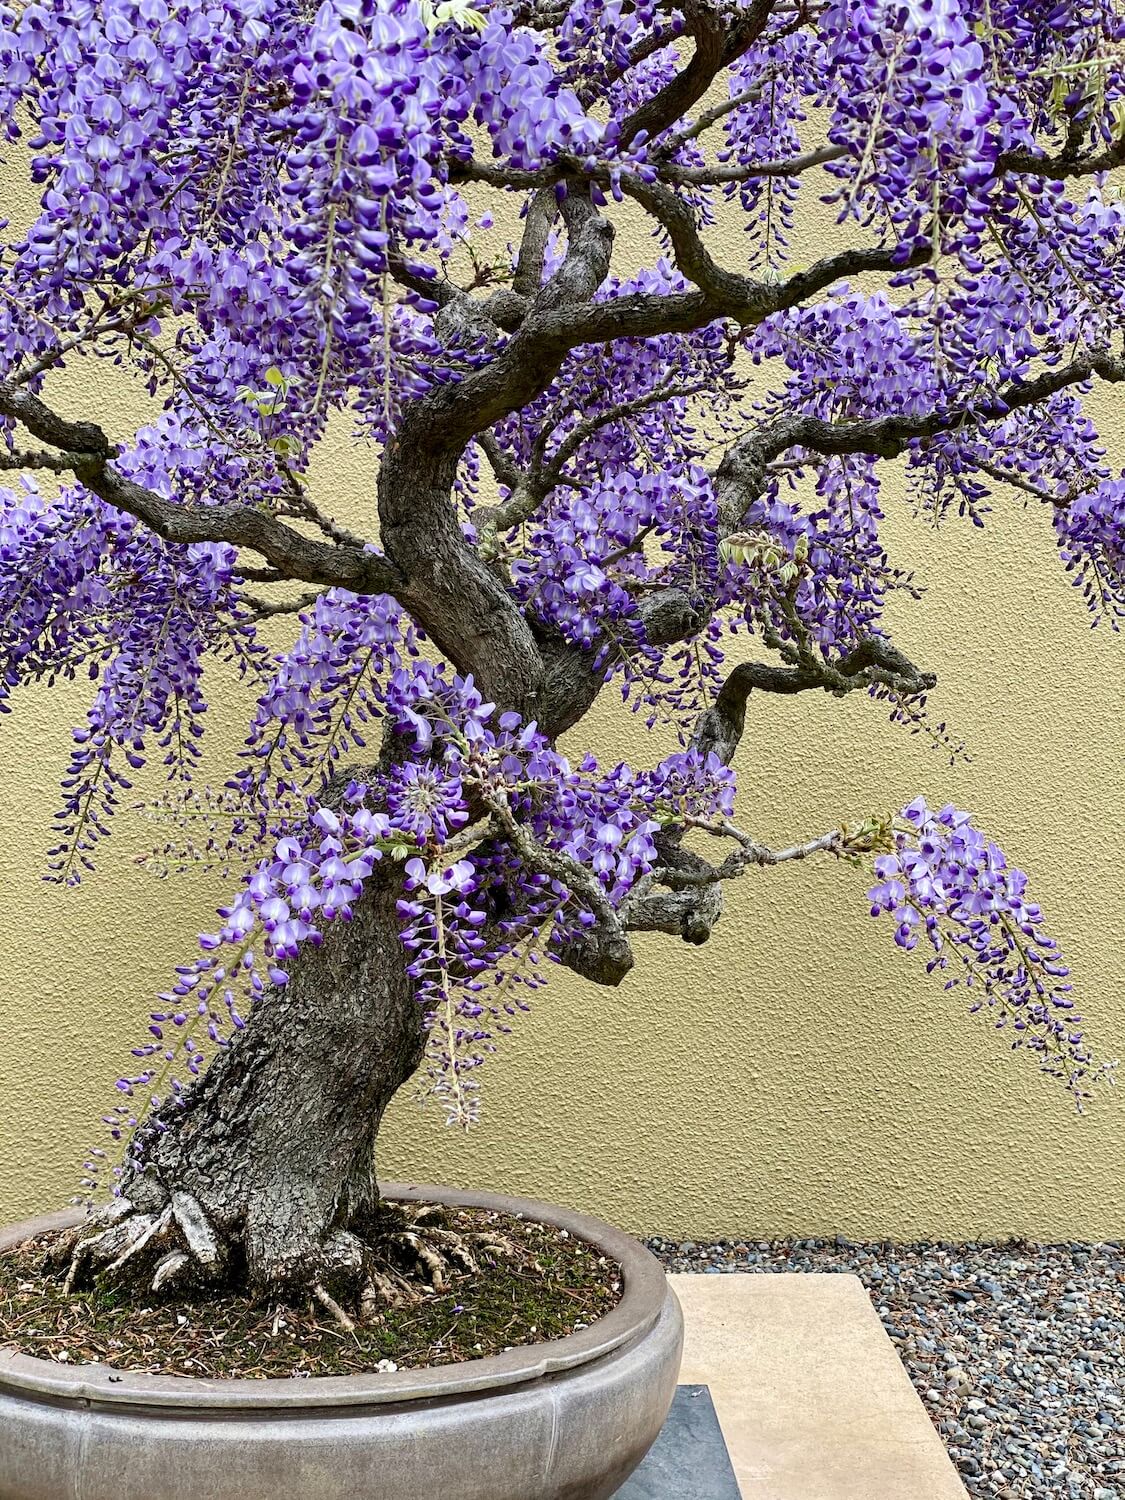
{"points": [[798, 1074]]}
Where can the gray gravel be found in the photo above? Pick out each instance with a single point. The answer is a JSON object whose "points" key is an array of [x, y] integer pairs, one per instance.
{"points": [[1017, 1350]]}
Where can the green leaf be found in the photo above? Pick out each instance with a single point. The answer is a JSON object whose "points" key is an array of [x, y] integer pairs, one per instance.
{"points": [[459, 12]]}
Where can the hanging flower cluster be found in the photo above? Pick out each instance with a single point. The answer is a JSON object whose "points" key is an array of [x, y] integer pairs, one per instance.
{"points": [[771, 90], [950, 884], [426, 814], [914, 110], [85, 588], [1091, 536]]}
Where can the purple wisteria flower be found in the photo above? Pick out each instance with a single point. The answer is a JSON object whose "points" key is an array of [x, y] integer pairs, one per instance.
{"points": [[949, 884]]}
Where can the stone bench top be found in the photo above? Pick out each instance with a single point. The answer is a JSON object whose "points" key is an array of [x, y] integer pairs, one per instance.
{"points": [[810, 1394]]}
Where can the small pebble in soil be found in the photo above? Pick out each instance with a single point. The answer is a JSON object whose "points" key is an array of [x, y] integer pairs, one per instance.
{"points": [[1017, 1350]]}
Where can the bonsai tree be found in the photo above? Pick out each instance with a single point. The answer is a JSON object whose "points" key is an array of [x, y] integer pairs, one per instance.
{"points": [[401, 216]]}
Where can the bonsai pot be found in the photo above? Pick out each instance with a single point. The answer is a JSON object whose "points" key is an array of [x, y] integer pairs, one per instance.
{"points": [[564, 1420]]}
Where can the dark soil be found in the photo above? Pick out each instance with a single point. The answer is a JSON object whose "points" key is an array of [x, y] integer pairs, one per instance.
{"points": [[548, 1287]]}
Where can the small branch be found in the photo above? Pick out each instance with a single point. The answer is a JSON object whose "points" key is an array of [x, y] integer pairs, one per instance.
{"points": [[672, 614], [541, 214], [1018, 482], [750, 853], [586, 429], [720, 727], [655, 42], [94, 329], [90, 453], [634, 546], [508, 473], [263, 609], [57, 463], [792, 166], [887, 437], [304, 507], [504, 310], [743, 297], [671, 144], [1063, 166], [718, 43], [532, 178], [692, 901]]}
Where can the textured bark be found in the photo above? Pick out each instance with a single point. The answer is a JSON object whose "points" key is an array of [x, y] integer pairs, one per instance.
{"points": [[276, 1141], [448, 588]]}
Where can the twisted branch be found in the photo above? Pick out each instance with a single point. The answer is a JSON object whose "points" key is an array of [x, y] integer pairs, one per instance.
{"points": [[86, 451]]}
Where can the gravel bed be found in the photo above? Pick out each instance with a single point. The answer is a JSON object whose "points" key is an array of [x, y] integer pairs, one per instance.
{"points": [[1017, 1350]]}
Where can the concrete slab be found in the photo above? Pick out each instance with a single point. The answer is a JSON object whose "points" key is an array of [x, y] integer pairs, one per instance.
{"points": [[811, 1396]]}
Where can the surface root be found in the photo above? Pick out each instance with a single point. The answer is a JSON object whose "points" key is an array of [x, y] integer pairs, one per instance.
{"points": [[406, 1253]]}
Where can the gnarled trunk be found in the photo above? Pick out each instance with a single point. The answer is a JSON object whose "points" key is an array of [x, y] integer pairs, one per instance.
{"points": [[271, 1154]]}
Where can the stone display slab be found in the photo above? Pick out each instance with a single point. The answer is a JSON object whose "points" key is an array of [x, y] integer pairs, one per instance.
{"points": [[810, 1395], [689, 1460]]}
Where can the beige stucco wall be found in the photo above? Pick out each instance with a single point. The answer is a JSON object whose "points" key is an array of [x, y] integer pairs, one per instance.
{"points": [[797, 1075]]}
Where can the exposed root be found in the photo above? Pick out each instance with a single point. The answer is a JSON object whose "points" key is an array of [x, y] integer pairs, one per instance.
{"points": [[104, 1247], [170, 1271], [397, 1258], [170, 1247], [455, 1248], [157, 1228], [427, 1245], [431, 1262], [196, 1230], [495, 1244], [329, 1303], [437, 1251], [386, 1288], [61, 1245]]}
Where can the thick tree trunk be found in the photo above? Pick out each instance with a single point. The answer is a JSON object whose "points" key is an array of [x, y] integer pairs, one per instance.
{"points": [[272, 1154]]}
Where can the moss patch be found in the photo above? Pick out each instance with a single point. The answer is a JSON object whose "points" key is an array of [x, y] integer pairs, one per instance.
{"points": [[550, 1286]]}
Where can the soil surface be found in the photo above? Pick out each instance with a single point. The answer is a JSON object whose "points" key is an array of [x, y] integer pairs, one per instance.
{"points": [[543, 1286]]}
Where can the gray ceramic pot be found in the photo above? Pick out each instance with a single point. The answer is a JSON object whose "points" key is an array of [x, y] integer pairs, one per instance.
{"points": [[567, 1420]]}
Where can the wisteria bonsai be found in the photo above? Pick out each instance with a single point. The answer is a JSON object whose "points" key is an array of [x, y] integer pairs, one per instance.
{"points": [[280, 216]]}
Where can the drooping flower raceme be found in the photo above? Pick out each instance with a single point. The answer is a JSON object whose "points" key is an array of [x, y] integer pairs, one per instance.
{"points": [[472, 965], [1091, 533], [948, 884]]}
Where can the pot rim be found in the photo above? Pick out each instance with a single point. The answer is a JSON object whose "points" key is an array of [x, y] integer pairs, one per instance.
{"points": [[644, 1290]]}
